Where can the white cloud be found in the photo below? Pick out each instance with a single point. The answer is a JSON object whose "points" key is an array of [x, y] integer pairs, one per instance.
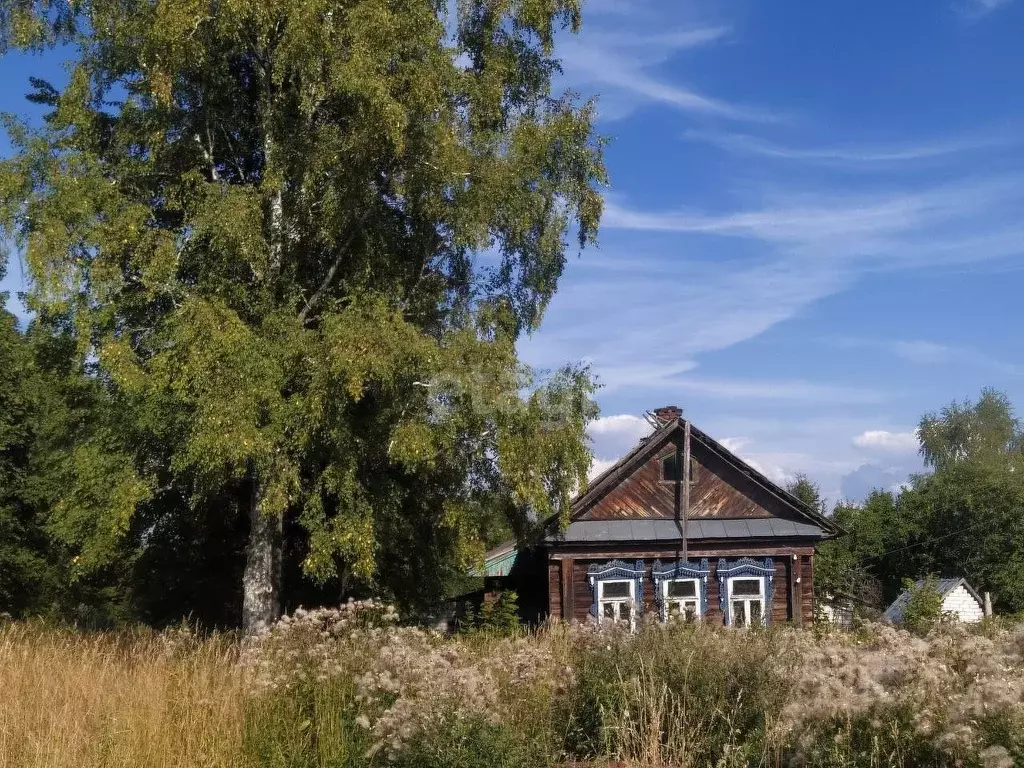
{"points": [[735, 444], [848, 156], [885, 441], [623, 424], [599, 466], [612, 437]]}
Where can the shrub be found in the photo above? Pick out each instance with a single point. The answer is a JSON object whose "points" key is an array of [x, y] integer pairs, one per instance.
{"points": [[497, 616], [924, 605]]}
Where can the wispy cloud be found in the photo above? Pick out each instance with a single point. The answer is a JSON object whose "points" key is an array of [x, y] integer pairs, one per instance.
{"points": [[941, 224], [728, 277], [643, 330], [978, 8], [804, 392], [845, 156], [927, 352], [622, 65], [923, 352]]}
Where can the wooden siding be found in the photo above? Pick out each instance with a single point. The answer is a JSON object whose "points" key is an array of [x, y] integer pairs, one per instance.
{"points": [[782, 606], [807, 586], [554, 589], [720, 492]]}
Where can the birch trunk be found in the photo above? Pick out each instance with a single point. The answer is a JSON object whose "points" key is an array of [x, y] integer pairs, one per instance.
{"points": [[261, 580]]}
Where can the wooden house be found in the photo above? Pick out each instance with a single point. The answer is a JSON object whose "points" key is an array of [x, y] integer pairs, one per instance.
{"points": [[678, 526]]}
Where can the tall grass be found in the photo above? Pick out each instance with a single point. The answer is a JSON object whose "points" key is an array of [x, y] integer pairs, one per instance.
{"points": [[349, 688], [75, 700]]}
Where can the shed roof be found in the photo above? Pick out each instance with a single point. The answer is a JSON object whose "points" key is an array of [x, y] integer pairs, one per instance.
{"points": [[499, 561], [895, 612]]}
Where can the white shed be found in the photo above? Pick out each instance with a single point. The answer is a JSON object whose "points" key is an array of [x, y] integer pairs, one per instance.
{"points": [[958, 599]]}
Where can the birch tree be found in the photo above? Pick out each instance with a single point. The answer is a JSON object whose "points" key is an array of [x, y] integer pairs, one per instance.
{"points": [[299, 240]]}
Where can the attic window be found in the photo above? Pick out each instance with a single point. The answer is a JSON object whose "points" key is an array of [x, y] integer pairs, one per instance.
{"points": [[670, 469]]}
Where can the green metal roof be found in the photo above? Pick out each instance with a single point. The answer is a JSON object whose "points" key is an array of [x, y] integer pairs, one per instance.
{"points": [[498, 562]]}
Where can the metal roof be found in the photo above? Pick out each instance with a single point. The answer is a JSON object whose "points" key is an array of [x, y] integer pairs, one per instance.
{"points": [[594, 531], [894, 612], [498, 561]]}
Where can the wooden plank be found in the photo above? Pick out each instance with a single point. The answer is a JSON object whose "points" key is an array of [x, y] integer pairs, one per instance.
{"points": [[807, 587], [796, 605], [554, 589], [567, 589]]}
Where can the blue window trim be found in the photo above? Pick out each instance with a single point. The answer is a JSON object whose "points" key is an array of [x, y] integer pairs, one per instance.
{"points": [[617, 570], [746, 566], [680, 569]]}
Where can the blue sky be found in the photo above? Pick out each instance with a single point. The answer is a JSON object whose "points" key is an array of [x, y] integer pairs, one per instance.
{"points": [[814, 228]]}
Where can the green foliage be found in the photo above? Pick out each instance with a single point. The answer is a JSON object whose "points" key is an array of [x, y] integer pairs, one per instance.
{"points": [[702, 699], [497, 616], [965, 518], [25, 574], [471, 743], [312, 725], [295, 246], [984, 432], [807, 491], [924, 605]]}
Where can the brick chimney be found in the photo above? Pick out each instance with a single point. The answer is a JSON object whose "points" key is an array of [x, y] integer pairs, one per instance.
{"points": [[668, 413]]}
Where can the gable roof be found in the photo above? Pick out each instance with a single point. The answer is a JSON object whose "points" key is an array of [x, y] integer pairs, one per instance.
{"points": [[651, 445], [895, 612]]}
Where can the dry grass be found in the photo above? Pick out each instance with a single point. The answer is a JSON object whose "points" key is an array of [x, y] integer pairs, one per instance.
{"points": [[349, 688], [78, 700]]}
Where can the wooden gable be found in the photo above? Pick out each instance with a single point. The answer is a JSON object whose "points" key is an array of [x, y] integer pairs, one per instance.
{"points": [[723, 486]]}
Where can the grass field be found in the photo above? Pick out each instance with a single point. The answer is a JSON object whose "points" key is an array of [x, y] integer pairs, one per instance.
{"points": [[351, 687]]}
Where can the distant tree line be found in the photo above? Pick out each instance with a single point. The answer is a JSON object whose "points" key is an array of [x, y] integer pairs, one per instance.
{"points": [[962, 517]]}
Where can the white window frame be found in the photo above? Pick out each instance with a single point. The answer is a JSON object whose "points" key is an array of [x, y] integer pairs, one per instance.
{"points": [[747, 598], [696, 599], [617, 602]]}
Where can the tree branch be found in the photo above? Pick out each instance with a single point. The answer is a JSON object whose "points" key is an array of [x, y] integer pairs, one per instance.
{"points": [[325, 284], [208, 154]]}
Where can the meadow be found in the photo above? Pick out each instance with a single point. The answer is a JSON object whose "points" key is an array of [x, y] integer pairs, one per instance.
{"points": [[352, 687]]}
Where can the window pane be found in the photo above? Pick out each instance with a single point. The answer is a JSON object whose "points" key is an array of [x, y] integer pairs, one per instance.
{"points": [[746, 587], [674, 608], [691, 610], [615, 589], [739, 613], [682, 589], [755, 611], [624, 611], [608, 610], [668, 468]]}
